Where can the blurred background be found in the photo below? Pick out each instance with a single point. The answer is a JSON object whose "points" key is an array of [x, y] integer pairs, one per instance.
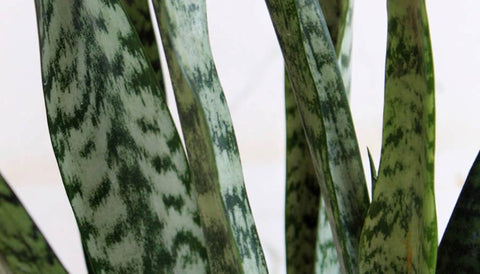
{"points": [[250, 67]]}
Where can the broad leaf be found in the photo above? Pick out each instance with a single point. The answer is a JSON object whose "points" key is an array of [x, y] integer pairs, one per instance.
{"points": [[119, 154], [319, 91], [400, 231], [459, 250], [233, 244], [23, 249]]}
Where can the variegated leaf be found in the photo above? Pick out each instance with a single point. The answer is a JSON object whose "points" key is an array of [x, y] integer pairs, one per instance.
{"points": [[23, 249], [373, 171], [400, 231], [139, 14], [322, 102], [459, 250], [232, 242], [309, 241], [119, 154]]}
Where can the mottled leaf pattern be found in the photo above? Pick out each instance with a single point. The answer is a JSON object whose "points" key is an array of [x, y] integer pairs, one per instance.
{"points": [[139, 15], [120, 157], [400, 231], [322, 102], [309, 241], [23, 249], [459, 250], [232, 241]]}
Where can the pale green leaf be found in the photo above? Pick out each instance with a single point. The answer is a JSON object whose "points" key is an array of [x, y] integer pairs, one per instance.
{"points": [[119, 154], [400, 231], [233, 244], [312, 66]]}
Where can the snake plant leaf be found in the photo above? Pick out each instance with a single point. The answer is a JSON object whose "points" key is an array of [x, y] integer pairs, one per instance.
{"points": [[459, 250], [139, 14], [308, 236], [119, 154], [318, 86], [23, 249], [338, 15], [232, 241], [373, 170], [309, 240], [400, 231]]}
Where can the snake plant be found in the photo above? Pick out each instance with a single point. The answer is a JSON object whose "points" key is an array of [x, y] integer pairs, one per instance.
{"points": [[145, 204]]}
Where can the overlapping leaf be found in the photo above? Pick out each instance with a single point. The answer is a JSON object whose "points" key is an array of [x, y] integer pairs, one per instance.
{"points": [[23, 249], [459, 250], [322, 102], [232, 242], [400, 231], [119, 154], [309, 240]]}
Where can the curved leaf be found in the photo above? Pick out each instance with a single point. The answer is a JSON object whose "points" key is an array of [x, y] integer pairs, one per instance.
{"points": [[139, 14], [400, 231], [23, 249], [322, 102], [233, 244], [459, 250], [119, 154]]}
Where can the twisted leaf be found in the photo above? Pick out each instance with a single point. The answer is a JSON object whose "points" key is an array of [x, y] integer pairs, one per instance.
{"points": [[459, 250], [119, 154], [400, 231], [23, 249], [312, 66], [232, 242]]}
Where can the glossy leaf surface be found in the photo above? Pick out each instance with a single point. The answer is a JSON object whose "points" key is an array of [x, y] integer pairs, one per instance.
{"points": [[459, 250], [23, 249], [119, 154], [312, 66], [400, 231], [232, 241]]}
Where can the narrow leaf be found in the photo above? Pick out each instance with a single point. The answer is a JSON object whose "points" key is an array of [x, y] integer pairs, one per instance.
{"points": [[312, 66], [233, 244], [400, 231], [373, 171], [309, 240], [139, 14], [119, 154], [459, 250], [23, 249]]}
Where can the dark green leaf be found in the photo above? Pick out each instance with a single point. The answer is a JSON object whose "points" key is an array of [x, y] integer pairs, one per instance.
{"points": [[459, 250]]}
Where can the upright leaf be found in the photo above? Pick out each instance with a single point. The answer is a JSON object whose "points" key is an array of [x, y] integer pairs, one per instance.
{"points": [[232, 242], [309, 240], [23, 249], [120, 157], [139, 14], [459, 250], [312, 66], [400, 231]]}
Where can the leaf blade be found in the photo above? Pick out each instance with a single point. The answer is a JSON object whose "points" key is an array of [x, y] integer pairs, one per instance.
{"points": [[119, 154], [400, 231]]}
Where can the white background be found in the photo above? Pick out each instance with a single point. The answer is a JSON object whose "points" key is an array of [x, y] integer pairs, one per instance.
{"points": [[250, 66]]}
